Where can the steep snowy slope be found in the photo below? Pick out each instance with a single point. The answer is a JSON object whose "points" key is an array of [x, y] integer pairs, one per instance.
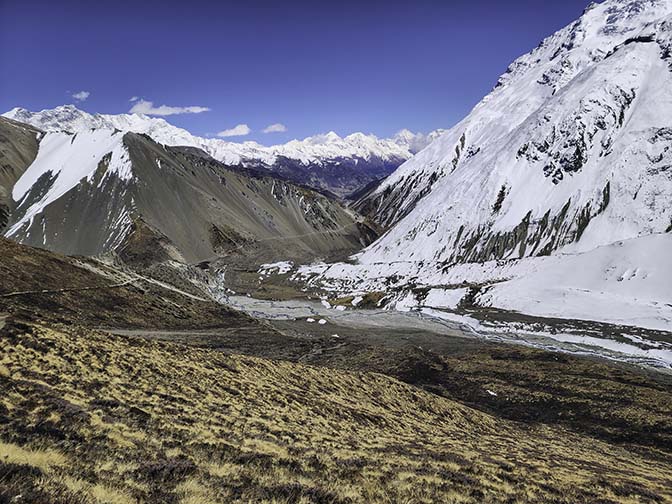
{"points": [[627, 282], [327, 162], [529, 199], [100, 190], [573, 149]]}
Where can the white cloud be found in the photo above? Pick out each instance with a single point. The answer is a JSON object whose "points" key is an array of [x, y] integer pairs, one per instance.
{"points": [[275, 128], [239, 130], [135, 98], [148, 108], [81, 95]]}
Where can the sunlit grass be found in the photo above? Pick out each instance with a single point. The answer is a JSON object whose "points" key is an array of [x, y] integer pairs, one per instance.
{"points": [[114, 419]]}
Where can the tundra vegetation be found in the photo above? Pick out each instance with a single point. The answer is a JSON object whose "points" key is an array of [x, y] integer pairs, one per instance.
{"points": [[89, 416]]}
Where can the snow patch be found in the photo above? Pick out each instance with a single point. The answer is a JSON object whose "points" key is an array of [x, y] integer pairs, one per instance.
{"points": [[444, 298], [277, 268], [626, 283], [69, 159]]}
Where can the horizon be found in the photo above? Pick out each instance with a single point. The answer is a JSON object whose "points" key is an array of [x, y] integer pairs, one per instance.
{"points": [[80, 108], [290, 88]]}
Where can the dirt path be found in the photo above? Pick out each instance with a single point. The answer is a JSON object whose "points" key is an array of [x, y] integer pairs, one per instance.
{"points": [[60, 291], [134, 277]]}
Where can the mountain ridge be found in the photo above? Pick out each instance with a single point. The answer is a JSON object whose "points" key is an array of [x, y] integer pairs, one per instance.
{"points": [[315, 160], [90, 192], [569, 157], [541, 160]]}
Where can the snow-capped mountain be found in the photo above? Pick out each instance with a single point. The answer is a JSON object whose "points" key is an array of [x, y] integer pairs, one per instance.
{"points": [[572, 149], [337, 164], [571, 153], [100, 190], [415, 142]]}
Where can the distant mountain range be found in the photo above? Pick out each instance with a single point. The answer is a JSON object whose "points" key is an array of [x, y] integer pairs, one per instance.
{"points": [[328, 162]]}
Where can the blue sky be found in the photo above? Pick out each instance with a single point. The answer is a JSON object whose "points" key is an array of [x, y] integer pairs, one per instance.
{"points": [[346, 66]]}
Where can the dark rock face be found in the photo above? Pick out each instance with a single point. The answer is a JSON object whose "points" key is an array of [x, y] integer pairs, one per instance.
{"points": [[530, 237], [18, 148], [569, 145], [396, 202]]}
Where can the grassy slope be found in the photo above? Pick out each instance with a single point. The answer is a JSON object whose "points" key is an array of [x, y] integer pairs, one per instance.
{"points": [[86, 416], [139, 304], [608, 401]]}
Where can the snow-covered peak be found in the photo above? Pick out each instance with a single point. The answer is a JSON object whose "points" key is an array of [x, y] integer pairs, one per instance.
{"points": [[60, 118], [330, 137], [553, 195], [568, 152], [331, 146], [314, 149], [415, 142], [405, 136], [72, 119], [528, 83], [591, 38]]}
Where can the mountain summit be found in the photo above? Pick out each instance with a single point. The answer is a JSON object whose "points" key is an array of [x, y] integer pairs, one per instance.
{"points": [[101, 190], [570, 151]]}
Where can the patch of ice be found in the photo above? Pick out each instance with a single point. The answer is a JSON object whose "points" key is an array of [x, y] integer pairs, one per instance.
{"points": [[407, 303]]}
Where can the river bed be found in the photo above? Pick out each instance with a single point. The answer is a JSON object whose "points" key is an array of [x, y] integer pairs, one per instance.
{"points": [[631, 348]]}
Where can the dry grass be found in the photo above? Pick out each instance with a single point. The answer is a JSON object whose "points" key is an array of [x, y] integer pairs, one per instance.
{"points": [[41, 459], [90, 417]]}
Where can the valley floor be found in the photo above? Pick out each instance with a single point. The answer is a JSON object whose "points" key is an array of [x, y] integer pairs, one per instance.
{"points": [[612, 302], [644, 347], [623, 283]]}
